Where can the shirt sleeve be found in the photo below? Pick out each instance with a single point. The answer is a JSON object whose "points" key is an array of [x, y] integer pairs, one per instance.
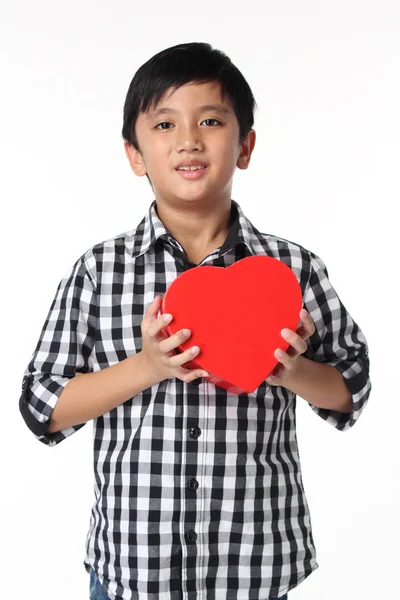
{"points": [[63, 351], [337, 341]]}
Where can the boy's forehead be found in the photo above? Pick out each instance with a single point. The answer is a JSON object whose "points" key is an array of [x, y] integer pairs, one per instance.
{"points": [[208, 98]]}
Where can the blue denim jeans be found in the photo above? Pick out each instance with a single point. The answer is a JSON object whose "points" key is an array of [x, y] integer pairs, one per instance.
{"points": [[97, 592]]}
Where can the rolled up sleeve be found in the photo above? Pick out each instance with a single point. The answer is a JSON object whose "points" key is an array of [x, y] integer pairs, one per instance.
{"points": [[337, 341], [62, 352]]}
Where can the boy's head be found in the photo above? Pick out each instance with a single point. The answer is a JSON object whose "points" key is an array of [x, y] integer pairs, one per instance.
{"points": [[185, 78]]}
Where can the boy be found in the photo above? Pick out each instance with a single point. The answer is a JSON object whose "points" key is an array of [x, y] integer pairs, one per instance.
{"points": [[198, 492]]}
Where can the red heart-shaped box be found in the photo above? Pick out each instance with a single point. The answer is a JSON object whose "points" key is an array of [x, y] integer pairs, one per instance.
{"points": [[235, 315]]}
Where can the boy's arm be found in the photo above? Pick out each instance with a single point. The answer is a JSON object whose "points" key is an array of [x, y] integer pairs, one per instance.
{"points": [[63, 351], [88, 396], [337, 343], [60, 391], [319, 384]]}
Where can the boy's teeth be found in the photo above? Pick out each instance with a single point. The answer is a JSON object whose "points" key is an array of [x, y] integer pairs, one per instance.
{"points": [[190, 168]]}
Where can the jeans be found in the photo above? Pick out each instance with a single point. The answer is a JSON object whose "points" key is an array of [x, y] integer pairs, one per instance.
{"points": [[97, 592]]}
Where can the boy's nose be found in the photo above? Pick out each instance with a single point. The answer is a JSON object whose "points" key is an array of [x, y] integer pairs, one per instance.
{"points": [[189, 139]]}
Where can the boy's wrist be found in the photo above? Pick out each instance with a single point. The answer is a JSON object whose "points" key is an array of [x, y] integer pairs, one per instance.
{"points": [[292, 377], [145, 369], [319, 384]]}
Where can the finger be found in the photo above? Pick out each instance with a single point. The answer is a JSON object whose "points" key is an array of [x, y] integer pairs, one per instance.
{"points": [[183, 357], [274, 377], [175, 340], [295, 341], [189, 376], [151, 311], [153, 306], [158, 324], [276, 371], [307, 328], [284, 359]]}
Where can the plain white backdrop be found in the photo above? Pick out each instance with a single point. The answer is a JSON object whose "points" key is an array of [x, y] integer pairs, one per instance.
{"points": [[324, 173]]}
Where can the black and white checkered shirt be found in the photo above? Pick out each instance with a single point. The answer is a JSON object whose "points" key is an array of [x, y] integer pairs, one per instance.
{"points": [[198, 492]]}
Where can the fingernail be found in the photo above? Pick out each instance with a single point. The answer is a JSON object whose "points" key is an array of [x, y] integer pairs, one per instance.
{"points": [[285, 332], [167, 318], [194, 350], [186, 332]]}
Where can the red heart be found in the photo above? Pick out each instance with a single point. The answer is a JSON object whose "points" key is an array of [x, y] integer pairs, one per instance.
{"points": [[235, 315]]}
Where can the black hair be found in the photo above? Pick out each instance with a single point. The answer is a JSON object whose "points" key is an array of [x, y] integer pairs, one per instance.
{"points": [[195, 62]]}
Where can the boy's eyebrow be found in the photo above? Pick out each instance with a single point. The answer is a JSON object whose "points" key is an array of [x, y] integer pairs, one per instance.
{"points": [[215, 107]]}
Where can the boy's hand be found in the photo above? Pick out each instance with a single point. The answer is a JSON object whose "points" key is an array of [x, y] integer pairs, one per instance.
{"points": [[288, 360], [158, 348]]}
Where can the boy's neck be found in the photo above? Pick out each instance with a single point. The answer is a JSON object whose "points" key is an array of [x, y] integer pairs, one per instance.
{"points": [[199, 230]]}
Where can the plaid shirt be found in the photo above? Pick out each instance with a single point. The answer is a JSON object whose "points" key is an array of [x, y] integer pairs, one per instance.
{"points": [[198, 492]]}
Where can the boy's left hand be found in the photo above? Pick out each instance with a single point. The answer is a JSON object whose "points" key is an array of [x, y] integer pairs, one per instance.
{"points": [[288, 360]]}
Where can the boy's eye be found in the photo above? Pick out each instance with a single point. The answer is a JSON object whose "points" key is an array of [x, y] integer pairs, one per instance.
{"points": [[216, 121], [166, 123], [163, 123]]}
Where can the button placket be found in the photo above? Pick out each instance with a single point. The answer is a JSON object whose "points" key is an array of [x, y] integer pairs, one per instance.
{"points": [[202, 471], [194, 454]]}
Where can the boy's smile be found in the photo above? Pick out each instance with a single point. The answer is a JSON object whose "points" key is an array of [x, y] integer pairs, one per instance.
{"points": [[191, 172]]}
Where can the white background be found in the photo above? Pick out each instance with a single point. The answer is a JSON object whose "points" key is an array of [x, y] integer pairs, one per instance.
{"points": [[324, 173]]}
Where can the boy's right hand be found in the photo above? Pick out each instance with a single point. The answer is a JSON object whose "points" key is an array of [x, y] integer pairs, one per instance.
{"points": [[158, 348]]}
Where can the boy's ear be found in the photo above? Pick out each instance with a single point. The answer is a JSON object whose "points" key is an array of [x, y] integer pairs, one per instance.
{"points": [[135, 159], [246, 148]]}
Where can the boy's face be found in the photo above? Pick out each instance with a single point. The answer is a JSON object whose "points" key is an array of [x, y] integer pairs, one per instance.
{"points": [[190, 133]]}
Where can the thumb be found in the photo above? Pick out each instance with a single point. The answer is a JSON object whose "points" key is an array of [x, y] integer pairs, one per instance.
{"points": [[150, 314]]}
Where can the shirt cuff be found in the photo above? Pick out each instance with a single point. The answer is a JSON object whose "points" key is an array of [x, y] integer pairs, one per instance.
{"points": [[356, 377], [36, 408]]}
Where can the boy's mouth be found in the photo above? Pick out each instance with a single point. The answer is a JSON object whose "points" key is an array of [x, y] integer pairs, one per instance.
{"points": [[190, 167], [191, 164], [192, 172]]}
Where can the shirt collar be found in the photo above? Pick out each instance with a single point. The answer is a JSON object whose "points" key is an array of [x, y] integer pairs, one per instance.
{"points": [[151, 228]]}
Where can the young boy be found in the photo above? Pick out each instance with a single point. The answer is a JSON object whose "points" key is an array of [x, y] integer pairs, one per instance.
{"points": [[198, 492]]}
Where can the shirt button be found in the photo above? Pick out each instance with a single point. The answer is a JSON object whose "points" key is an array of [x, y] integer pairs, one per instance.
{"points": [[193, 484], [195, 432], [191, 536], [365, 353], [24, 383]]}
